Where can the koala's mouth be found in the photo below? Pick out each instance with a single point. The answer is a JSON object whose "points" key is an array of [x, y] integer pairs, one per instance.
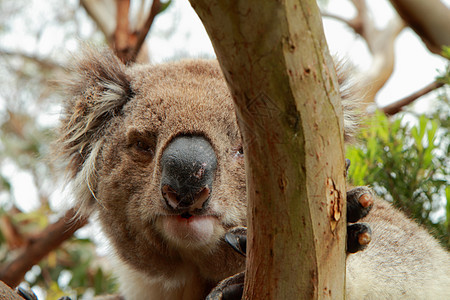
{"points": [[191, 213], [186, 215], [187, 227]]}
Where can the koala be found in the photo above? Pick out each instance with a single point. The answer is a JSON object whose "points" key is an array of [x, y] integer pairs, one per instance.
{"points": [[155, 154]]}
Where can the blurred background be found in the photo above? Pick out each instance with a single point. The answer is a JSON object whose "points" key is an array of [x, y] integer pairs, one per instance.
{"points": [[402, 150]]}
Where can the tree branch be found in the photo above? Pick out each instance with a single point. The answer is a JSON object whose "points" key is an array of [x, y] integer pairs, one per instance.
{"points": [[128, 44], [330, 15], [38, 247], [380, 43], [113, 21], [397, 106], [142, 33], [429, 19], [13, 237]]}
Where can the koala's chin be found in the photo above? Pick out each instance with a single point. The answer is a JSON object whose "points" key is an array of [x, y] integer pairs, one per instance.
{"points": [[190, 231]]}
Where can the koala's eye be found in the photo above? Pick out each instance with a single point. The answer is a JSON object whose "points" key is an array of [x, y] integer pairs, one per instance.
{"points": [[143, 147], [143, 144], [238, 151], [241, 150]]}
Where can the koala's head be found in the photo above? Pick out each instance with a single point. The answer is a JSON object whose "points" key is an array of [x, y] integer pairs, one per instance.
{"points": [[155, 151]]}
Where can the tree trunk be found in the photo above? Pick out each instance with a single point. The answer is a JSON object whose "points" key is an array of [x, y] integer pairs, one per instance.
{"points": [[6, 293], [276, 62]]}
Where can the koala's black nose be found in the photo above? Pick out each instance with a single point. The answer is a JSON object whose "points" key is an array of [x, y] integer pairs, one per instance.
{"points": [[188, 166]]}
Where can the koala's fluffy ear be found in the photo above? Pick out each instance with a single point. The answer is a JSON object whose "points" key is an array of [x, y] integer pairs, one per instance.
{"points": [[352, 99], [95, 92]]}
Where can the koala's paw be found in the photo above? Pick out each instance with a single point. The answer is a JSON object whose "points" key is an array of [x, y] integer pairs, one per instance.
{"points": [[230, 288], [359, 203], [26, 294], [237, 239], [359, 236]]}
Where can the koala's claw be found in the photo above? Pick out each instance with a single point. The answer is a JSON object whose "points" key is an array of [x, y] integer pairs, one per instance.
{"points": [[359, 203], [27, 294], [230, 288], [347, 165], [237, 239], [359, 236]]}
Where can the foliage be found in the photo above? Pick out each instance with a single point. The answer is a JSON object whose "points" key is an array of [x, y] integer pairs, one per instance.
{"points": [[408, 165]]}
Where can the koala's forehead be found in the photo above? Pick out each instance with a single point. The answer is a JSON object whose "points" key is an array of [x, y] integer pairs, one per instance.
{"points": [[189, 96]]}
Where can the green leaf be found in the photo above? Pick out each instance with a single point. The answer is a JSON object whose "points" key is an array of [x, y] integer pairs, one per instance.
{"points": [[415, 134], [432, 132], [427, 157]]}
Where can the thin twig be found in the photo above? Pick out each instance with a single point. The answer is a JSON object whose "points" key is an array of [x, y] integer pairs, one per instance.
{"points": [[337, 18], [397, 106]]}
